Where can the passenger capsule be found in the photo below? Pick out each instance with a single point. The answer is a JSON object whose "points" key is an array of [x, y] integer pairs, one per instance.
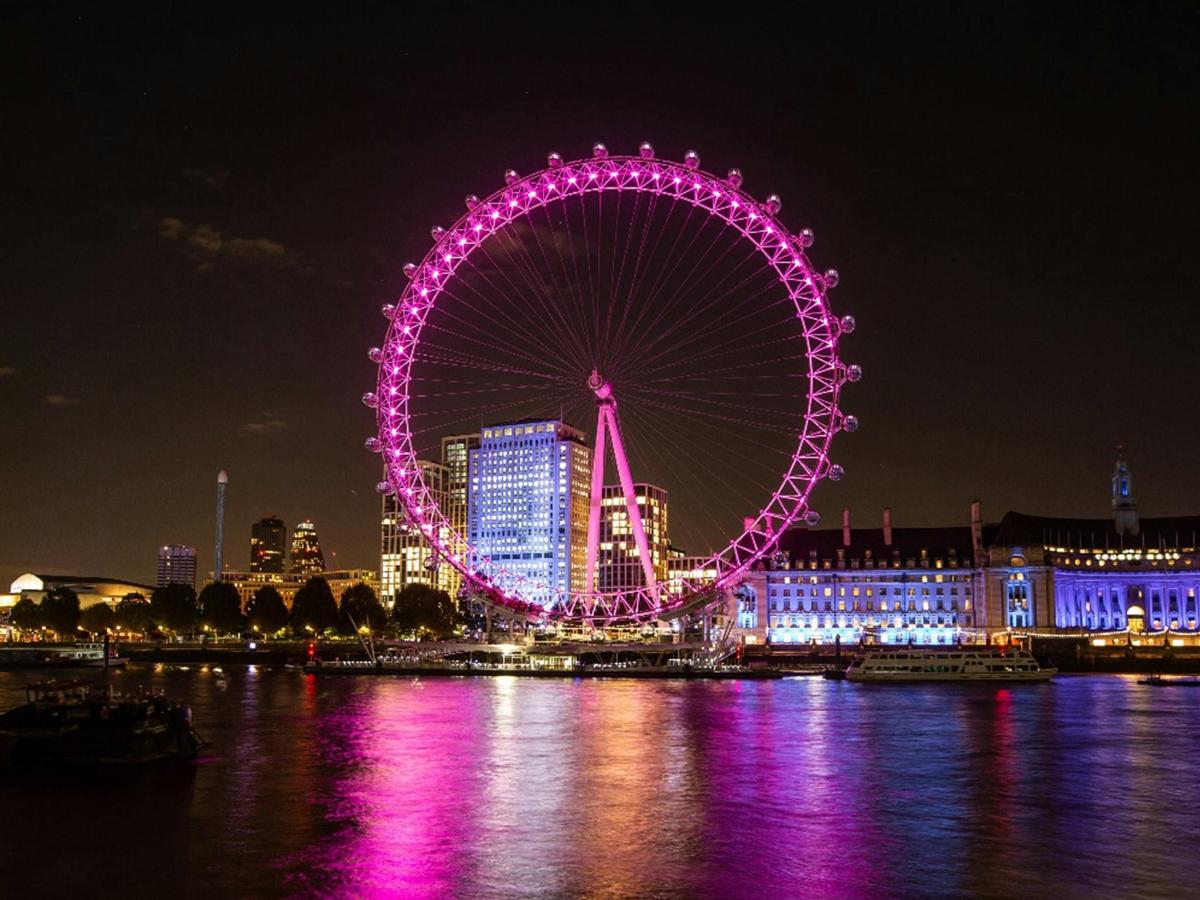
{"points": [[554, 160], [853, 374], [410, 269], [373, 444], [437, 232], [388, 310], [831, 278], [836, 472], [375, 355], [691, 159], [812, 518], [370, 399], [646, 150], [850, 424], [471, 201], [599, 151], [734, 177], [774, 204], [383, 487], [511, 176], [806, 237], [848, 324]]}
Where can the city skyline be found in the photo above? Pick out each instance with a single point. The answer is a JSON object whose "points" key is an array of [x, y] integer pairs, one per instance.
{"points": [[976, 258]]}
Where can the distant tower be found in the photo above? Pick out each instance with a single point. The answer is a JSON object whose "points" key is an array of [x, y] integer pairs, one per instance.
{"points": [[268, 545], [307, 558], [176, 565], [222, 480], [1125, 519]]}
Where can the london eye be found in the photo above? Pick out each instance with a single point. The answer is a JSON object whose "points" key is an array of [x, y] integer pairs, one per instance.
{"points": [[654, 307]]}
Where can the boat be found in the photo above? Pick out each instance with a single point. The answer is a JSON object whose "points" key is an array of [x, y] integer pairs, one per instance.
{"points": [[1156, 680], [85, 655], [64, 656], [66, 722], [959, 664]]}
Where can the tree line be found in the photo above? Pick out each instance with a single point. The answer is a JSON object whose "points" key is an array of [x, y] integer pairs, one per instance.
{"points": [[419, 611]]}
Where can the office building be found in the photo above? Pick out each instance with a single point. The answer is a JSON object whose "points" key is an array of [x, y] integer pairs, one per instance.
{"points": [[268, 545], [306, 558], [405, 555], [527, 508], [618, 566], [176, 565]]}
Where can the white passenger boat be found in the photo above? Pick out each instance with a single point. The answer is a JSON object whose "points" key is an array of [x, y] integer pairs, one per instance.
{"points": [[88, 655], [961, 664]]}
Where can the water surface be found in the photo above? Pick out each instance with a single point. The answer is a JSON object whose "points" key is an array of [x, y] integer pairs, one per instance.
{"points": [[508, 787]]}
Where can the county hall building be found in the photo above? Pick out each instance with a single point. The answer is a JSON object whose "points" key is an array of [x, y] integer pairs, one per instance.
{"points": [[1120, 579]]}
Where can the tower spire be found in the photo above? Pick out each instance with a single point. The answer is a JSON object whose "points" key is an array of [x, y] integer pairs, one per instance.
{"points": [[222, 480], [1125, 519]]}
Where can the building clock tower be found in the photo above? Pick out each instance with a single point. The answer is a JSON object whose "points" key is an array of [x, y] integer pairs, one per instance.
{"points": [[1125, 519]]}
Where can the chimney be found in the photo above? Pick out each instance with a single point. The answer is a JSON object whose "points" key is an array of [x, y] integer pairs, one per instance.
{"points": [[846, 527], [887, 526], [977, 530]]}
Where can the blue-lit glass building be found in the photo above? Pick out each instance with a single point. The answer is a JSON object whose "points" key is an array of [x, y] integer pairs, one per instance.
{"points": [[527, 507]]}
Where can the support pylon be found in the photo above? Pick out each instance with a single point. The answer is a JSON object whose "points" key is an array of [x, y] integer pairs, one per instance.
{"points": [[606, 421]]}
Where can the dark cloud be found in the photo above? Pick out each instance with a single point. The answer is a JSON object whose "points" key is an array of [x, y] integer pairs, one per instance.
{"points": [[60, 400], [208, 246], [266, 424], [212, 177]]}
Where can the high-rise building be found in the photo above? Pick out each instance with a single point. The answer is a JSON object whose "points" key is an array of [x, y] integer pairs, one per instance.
{"points": [[306, 550], [456, 458], [618, 566], [176, 565], [527, 508], [268, 545], [405, 555]]}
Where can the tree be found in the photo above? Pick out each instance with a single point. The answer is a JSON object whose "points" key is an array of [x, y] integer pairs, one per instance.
{"points": [[266, 610], [221, 608], [26, 615], [422, 610], [97, 619], [60, 611], [314, 607], [360, 603], [133, 615], [174, 607]]}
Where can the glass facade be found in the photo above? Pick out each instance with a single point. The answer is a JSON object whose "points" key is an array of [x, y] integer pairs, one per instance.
{"points": [[527, 508], [618, 565], [176, 565], [405, 556], [307, 557], [268, 545]]}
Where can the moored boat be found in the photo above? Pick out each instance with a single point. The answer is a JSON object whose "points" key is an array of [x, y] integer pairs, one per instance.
{"points": [[78, 722], [958, 664], [86, 655], [1156, 680]]}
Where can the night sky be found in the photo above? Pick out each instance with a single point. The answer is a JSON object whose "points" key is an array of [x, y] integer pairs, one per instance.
{"points": [[203, 214]]}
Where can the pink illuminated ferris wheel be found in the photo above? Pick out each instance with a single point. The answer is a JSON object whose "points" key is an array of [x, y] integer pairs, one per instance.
{"points": [[655, 300]]}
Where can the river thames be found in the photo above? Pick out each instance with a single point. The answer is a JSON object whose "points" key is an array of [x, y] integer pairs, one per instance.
{"points": [[509, 787]]}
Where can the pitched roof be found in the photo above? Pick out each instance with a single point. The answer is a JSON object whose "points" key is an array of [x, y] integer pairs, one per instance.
{"points": [[1021, 530], [907, 543]]}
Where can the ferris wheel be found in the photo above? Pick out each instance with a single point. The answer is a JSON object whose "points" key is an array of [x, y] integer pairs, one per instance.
{"points": [[663, 304]]}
